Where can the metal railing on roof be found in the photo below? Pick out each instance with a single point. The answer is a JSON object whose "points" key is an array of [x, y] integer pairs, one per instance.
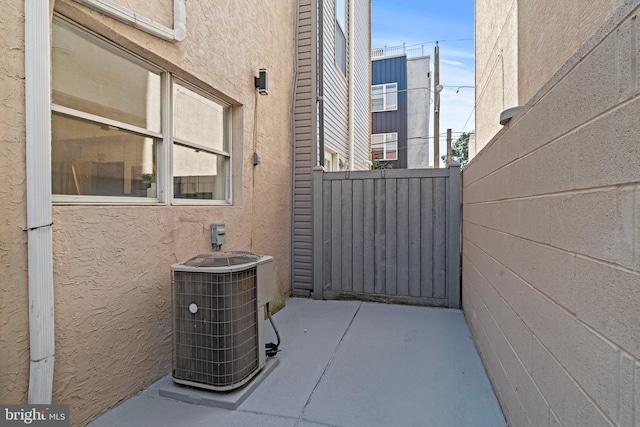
{"points": [[410, 51]]}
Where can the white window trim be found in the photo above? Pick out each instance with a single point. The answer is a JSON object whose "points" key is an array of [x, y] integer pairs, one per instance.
{"points": [[172, 140], [393, 138], [65, 199], [165, 139], [333, 158], [384, 98], [103, 120], [122, 14]]}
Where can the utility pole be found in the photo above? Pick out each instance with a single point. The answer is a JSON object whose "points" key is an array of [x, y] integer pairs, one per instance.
{"points": [[436, 106], [449, 147]]}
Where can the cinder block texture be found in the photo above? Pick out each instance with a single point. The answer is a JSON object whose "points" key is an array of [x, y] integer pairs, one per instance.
{"points": [[551, 242]]}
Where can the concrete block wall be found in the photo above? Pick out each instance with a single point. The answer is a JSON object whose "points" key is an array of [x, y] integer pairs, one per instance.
{"points": [[551, 242]]}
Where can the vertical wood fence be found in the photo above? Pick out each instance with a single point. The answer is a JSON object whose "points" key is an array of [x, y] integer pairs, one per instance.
{"points": [[387, 235]]}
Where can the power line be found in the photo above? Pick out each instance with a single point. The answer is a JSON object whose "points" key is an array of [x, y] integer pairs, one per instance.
{"points": [[430, 42], [469, 118], [458, 134], [419, 88]]}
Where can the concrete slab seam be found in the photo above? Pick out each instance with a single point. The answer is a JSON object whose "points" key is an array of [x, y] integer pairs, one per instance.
{"points": [[326, 368]]}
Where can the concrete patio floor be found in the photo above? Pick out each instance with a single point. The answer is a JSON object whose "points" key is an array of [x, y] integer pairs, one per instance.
{"points": [[348, 363]]}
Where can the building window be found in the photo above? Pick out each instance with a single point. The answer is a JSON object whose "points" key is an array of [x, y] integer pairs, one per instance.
{"points": [[341, 39], [384, 146], [201, 154], [330, 161], [384, 97], [111, 141]]}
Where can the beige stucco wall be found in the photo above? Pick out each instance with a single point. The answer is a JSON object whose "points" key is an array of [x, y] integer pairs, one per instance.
{"points": [[551, 242], [496, 62], [520, 45], [14, 334], [112, 263]]}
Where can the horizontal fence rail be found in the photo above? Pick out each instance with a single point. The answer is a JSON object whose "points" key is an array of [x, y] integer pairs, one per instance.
{"points": [[387, 235]]}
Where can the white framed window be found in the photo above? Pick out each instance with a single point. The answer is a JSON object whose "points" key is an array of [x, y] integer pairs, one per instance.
{"points": [[384, 146], [341, 39], [384, 97], [330, 161], [123, 129], [201, 151]]}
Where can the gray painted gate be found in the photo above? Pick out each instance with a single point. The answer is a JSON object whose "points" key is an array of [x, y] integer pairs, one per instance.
{"points": [[387, 235]]}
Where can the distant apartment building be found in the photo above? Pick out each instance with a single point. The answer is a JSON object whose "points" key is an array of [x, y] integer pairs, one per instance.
{"points": [[400, 96]]}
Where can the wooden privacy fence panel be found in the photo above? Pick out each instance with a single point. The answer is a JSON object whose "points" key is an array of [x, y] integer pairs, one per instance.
{"points": [[391, 235]]}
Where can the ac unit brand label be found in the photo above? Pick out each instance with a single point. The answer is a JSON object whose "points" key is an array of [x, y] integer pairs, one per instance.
{"points": [[34, 415]]}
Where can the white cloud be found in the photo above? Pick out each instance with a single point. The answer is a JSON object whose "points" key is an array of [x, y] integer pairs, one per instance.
{"points": [[454, 63]]}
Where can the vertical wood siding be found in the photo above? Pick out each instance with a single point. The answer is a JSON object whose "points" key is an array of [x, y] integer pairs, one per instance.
{"points": [[305, 142], [389, 235], [336, 111]]}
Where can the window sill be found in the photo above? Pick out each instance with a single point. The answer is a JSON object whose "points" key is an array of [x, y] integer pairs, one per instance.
{"points": [[60, 200], [199, 202]]}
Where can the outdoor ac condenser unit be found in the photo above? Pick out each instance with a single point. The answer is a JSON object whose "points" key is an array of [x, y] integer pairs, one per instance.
{"points": [[218, 318]]}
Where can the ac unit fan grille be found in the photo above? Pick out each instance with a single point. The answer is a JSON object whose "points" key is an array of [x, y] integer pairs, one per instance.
{"points": [[218, 344]]}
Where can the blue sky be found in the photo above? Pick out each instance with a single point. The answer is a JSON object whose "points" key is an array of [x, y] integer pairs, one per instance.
{"points": [[412, 22]]}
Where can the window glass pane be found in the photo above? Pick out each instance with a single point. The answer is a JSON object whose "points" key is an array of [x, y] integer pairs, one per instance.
{"points": [[98, 160], [391, 97], [392, 150], [377, 104], [377, 152], [377, 98], [384, 146], [377, 146], [198, 174], [198, 120], [341, 51], [91, 77], [341, 14]]}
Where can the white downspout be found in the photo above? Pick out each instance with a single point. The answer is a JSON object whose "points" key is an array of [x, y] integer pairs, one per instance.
{"points": [[38, 159], [351, 82]]}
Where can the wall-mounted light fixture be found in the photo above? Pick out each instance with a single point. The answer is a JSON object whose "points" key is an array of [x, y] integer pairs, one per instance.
{"points": [[262, 82]]}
